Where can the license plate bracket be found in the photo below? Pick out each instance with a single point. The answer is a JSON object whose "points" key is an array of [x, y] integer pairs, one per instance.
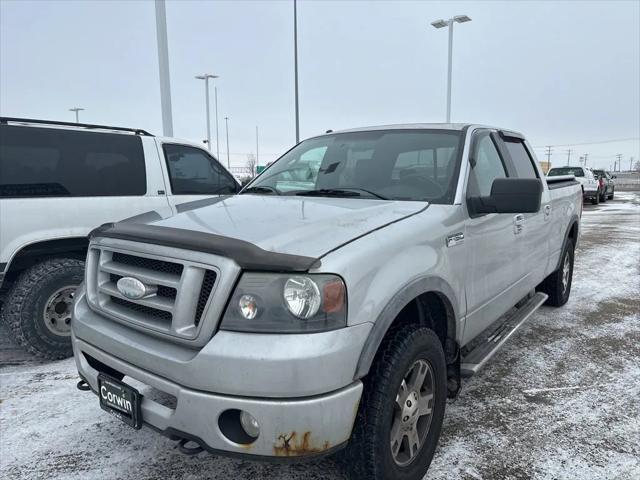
{"points": [[120, 400]]}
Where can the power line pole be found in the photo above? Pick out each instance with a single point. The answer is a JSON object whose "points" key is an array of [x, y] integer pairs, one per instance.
{"points": [[630, 164], [619, 156], [257, 154], [76, 109], [226, 120], [548, 154], [568, 156], [163, 65], [295, 62], [586, 156]]}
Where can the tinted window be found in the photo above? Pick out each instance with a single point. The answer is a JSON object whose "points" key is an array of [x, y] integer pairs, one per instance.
{"points": [[38, 162], [521, 159], [557, 172], [396, 164], [488, 166], [194, 172]]}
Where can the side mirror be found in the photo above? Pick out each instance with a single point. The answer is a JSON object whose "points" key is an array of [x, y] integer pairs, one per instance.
{"points": [[509, 195]]}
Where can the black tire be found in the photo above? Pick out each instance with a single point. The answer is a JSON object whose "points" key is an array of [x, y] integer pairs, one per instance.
{"points": [[603, 197], [368, 455], [612, 193], [554, 286], [24, 307], [596, 200]]}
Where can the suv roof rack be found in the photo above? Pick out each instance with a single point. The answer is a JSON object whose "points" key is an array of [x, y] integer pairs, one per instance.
{"points": [[137, 131]]}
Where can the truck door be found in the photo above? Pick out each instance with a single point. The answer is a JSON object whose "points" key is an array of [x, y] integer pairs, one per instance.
{"points": [[193, 174], [534, 229], [494, 269]]}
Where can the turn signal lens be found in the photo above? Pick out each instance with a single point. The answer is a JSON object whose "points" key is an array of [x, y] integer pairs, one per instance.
{"points": [[333, 294]]}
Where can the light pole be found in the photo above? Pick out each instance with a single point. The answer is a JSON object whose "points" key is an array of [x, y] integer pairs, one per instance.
{"points": [[226, 121], [257, 154], [76, 109], [215, 96], [295, 66], [206, 78], [449, 23], [163, 67]]}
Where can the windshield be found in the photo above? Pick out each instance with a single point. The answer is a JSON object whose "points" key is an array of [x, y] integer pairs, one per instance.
{"points": [[419, 165], [575, 171]]}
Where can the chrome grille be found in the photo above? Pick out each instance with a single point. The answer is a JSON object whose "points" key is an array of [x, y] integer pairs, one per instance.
{"points": [[182, 290]]}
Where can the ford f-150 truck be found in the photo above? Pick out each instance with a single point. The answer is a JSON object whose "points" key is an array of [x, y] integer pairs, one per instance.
{"points": [[335, 303]]}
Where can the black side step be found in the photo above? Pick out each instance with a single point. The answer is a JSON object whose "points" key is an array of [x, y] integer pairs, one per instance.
{"points": [[476, 358]]}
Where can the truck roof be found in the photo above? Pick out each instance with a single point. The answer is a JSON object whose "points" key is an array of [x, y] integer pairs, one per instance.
{"points": [[423, 126]]}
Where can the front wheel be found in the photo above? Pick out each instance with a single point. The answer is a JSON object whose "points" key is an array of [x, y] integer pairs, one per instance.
{"points": [[37, 310], [401, 412]]}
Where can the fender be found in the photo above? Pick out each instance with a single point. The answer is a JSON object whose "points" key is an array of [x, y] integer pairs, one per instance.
{"points": [[390, 312], [575, 220]]}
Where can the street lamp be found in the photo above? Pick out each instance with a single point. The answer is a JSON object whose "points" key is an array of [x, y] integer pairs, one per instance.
{"points": [[449, 23], [76, 109], [206, 78], [226, 121]]}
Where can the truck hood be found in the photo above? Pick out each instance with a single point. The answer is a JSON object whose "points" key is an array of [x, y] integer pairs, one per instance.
{"points": [[292, 225]]}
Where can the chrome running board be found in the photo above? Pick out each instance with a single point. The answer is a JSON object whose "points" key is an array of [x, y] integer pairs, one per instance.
{"points": [[476, 358]]}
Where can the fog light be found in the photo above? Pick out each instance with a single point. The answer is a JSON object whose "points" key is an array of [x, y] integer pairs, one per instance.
{"points": [[249, 424], [248, 305]]}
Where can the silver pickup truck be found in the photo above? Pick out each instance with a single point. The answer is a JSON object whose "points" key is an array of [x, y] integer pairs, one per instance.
{"points": [[335, 303]]}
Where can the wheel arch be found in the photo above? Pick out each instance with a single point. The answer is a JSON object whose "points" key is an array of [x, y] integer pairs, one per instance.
{"points": [[35, 252], [571, 235], [432, 301]]}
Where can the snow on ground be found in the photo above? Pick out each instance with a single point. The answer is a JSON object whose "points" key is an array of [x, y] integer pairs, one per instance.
{"points": [[560, 401]]}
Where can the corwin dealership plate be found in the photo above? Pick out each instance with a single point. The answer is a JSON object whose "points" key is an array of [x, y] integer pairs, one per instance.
{"points": [[120, 400]]}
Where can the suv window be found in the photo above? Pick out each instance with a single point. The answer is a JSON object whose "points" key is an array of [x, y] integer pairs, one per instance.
{"points": [[488, 166], [521, 159], [194, 172], [55, 162], [559, 171]]}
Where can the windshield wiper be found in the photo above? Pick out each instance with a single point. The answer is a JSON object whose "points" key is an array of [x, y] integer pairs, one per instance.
{"points": [[262, 189], [339, 192]]}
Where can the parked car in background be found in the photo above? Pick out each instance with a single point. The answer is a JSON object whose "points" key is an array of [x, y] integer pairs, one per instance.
{"points": [[335, 302], [607, 185], [58, 181], [591, 189]]}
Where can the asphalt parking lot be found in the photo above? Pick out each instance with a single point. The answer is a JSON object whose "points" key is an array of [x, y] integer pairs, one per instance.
{"points": [[560, 401]]}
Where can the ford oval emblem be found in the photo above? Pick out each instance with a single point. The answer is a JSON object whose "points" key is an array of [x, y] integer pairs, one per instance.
{"points": [[133, 288]]}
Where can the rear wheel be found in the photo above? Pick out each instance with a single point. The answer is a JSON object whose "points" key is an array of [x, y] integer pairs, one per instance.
{"points": [[37, 310], [611, 194], [401, 412], [558, 284], [603, 197], [595, 200]]}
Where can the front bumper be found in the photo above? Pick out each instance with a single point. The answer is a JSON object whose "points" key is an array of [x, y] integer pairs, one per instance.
{"points": [[297, 427]]}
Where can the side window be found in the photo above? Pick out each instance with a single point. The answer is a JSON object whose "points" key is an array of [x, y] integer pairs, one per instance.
{"points": [[522, 162], [55, 162], [193, 172], [488, 166]]}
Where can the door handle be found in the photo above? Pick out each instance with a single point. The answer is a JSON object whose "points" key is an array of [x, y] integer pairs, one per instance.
{"points": [[518, 223], [547, 210]]}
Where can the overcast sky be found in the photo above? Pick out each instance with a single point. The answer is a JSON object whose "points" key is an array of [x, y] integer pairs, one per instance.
{"points": [[561, 72]]}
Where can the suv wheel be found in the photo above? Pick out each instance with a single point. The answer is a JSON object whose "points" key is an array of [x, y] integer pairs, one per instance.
{"points": [[611, 194], [558, 284], [402, 407], [603, 197], [37, 309], [595, 200]]}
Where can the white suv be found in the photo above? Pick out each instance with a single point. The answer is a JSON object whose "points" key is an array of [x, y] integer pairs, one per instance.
{"points": [[586, 177], [58, 181]]}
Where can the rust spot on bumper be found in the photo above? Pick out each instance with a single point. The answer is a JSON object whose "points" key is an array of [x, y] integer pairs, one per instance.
{"points": [[294, 445]]}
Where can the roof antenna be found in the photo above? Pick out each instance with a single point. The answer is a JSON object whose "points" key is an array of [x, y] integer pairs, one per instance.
{"points": [[329, 131]]}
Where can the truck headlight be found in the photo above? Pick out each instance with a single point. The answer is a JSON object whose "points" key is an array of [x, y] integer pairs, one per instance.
{"points": [[283, 303]]}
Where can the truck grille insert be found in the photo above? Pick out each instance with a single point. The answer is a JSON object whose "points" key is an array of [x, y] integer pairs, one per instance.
{"points": [[178, 291]]}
